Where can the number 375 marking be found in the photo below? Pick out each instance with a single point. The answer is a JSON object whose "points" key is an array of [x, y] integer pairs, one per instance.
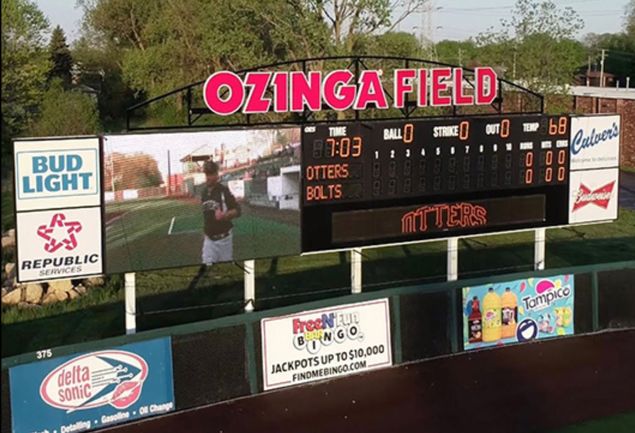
{"points": [[43, 354]]}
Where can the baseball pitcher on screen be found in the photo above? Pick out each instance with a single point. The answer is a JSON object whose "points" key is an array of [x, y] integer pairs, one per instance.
{"points": [[219, 209]]}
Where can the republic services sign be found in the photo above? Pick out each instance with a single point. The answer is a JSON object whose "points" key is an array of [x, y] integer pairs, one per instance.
{"points": [[63, 243]]}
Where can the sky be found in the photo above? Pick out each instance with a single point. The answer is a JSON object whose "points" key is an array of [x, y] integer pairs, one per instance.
{"points": [[450, 19]]}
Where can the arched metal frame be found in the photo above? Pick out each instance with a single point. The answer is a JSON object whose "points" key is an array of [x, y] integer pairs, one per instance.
{"points": [[355, 64]]}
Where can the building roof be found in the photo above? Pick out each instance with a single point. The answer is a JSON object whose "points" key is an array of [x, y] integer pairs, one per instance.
{"points": [[603, 92], [201, 153]]}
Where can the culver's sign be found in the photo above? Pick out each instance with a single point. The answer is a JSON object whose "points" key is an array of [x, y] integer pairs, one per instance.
{"points": [[595, 142], [92, 390], [57, 173]]}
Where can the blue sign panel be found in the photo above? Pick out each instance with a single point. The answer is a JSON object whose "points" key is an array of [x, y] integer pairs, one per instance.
{"points": [[92, 390]]}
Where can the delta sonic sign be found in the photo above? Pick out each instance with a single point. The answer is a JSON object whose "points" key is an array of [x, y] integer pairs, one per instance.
{"points": [[87, 391], [58, 208], [226, 93]]}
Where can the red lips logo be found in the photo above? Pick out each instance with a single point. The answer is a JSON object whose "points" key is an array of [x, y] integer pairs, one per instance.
{"points": [[126, 394], [599, 197]]}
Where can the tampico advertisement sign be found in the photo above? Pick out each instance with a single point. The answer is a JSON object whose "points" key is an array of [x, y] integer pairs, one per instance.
{"points": [[517, 311], [326, 343], [93, 390]]}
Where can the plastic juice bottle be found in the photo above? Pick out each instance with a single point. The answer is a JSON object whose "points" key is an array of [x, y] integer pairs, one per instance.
{"points": [[509, 314], [475, 322], [492, 330]]}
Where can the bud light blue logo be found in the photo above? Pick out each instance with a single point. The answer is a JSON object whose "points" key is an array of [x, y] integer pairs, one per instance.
{"points": [[580, 141], [56, 173]]}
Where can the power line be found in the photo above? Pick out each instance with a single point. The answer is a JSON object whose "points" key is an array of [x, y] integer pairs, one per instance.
{"points": [[480, 8], [471, 11]]}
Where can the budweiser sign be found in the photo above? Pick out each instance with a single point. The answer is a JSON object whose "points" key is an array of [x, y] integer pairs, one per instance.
{"points": [[599, 197]]}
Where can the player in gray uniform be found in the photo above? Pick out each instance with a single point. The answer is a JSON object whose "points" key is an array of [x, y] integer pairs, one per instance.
{"points": [[219, 209]]}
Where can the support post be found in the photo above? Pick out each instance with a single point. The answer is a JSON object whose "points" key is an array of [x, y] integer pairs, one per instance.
{"points": [[453, 303], [130, 302], [595, 302], [356, 270], [453, 259], [250, 285], [539, 249]]}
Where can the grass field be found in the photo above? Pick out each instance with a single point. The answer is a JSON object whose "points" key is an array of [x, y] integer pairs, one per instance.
{"points": [[166, 298], [172, 230], [617, 424]]}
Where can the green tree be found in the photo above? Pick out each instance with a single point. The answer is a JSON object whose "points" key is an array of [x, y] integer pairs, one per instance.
{"points": [[536, 46], [100, 67], [24, 67], [351, 21], [619, 51], [630, 19], [60, 56], [165, 44], [399, 44], [462, 53], [66, 112]]}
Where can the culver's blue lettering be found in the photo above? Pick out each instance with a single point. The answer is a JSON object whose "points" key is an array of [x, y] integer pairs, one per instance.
{"points": [[581, 142], [56, 173]]}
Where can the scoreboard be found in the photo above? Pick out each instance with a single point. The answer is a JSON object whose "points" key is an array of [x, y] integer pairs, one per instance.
{"points": [[379, 182]]}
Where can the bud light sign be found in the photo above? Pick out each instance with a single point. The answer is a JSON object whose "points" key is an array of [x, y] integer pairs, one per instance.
{"points": [[57, 173], [93, 390]]}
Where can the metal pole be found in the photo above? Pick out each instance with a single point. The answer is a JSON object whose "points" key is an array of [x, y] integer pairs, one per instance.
{"points": [[453, 259], [595, 302], [130, 303], [356, 270], [602, 69], [169, 175], [250, 285], [539, 249]]}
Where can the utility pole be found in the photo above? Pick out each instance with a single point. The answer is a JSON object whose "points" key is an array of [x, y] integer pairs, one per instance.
{"points": [[169, 175], [588, 73], [112, 174], [602, 69]]}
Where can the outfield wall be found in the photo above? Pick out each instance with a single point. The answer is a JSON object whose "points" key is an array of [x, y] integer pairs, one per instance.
{"points": [[221, 359]]}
